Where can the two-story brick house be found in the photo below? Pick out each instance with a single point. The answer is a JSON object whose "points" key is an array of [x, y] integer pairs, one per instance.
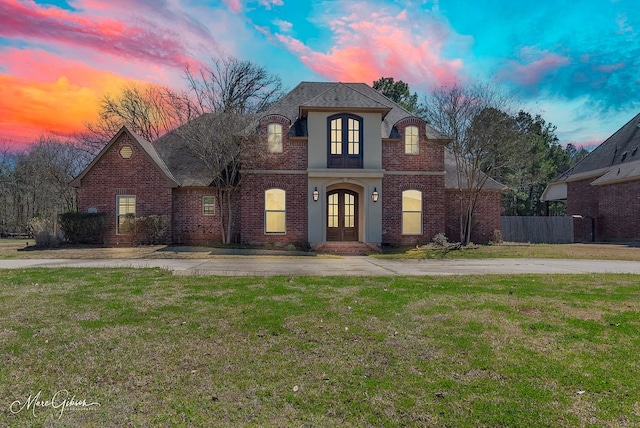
{"points": [[341, 163]]}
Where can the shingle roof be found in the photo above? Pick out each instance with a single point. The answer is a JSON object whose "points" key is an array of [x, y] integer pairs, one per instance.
{"points": [[620, 148], [348, 96], [188, 169], [146, 146], [451, 176]]}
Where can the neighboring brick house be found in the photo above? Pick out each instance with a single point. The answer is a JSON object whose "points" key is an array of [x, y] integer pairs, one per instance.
{"points": [[341, 163], [604, 188]]}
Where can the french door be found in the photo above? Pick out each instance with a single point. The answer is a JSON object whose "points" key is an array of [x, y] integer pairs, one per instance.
{"points": [[342, 216]]}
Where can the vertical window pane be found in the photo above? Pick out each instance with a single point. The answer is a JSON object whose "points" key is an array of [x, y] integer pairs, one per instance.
{"points": [[411, 145], [354, 137], [332, 217], [275, 211], [125, 213], [208, 205], [349, 210], [412, 212], [274, 137], [336, 137]]}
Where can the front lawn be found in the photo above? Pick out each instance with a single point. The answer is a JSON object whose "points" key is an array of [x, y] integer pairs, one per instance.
{"points": [[612, 251], [152, 349]]}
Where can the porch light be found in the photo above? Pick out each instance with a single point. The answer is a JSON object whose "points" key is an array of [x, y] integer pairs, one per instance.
{"points": [[375, 194], [316, 195]]}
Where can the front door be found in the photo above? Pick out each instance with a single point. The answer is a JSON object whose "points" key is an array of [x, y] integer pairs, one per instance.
{"points": [[342, 216]]}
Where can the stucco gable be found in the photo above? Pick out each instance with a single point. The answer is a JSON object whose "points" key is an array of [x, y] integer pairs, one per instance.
{"points": [[341, 96]]}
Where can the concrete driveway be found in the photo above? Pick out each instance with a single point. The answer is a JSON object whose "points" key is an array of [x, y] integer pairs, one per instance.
{"points": [[346, 266]]}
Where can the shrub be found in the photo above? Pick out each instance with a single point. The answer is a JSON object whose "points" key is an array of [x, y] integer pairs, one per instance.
{"points": [[83, 228], [496, 238], [152, 229], [440, 241], [43, 232]]}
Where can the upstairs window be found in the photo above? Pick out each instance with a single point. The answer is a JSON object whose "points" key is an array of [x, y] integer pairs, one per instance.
{"points": [[274, 137], [275, 211], [344, 141], [411, 140], [412, 212]]}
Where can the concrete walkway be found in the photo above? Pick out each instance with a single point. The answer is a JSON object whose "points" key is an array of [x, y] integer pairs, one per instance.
{"points": [[352, 266]]}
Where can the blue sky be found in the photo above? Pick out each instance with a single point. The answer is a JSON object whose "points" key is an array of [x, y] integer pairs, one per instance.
{"points": [[576, 63]]}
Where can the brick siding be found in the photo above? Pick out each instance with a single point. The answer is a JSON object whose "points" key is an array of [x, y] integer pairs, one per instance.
{"points": [[112, 175], [614, 209], [486, 217], [432, 188], [190, 225], [252, 210]]}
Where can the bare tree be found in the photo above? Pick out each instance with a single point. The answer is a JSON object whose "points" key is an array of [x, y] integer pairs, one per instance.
{"points": [[36, 183], [483, 138], [231, 85], [228, 94], [148, 110]]}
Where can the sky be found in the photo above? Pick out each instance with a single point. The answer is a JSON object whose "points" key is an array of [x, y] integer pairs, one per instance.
{"points": [[574, 62]]}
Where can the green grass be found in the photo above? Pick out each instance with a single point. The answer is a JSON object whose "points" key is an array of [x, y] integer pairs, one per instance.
{"points": [[552, 251], [159, 350]]}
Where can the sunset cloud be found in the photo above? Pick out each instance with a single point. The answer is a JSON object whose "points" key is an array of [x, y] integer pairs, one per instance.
{"points": [[142, 42], [533, 68], [234, 5], [61, 59], [367, 46], [34, 103]]}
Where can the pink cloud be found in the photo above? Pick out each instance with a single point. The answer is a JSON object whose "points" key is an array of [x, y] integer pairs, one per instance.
{"points": [[109, 36], [367, 46], [535, 67], [612, 67], [234, 5]]}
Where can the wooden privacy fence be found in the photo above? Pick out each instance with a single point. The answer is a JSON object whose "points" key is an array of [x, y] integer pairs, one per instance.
{"points": [[550, 230]]}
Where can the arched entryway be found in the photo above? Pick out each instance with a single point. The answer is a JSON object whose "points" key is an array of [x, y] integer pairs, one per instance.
{"points": [[342, 215]]}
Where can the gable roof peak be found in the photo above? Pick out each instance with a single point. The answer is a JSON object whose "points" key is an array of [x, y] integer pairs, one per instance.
{"points": [[147, 148]]}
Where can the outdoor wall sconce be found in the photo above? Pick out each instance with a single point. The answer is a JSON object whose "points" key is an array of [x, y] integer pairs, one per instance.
{"points": [[375, 195], [316, 195]]}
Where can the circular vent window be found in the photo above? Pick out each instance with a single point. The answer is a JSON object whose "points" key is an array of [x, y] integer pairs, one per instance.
{"points": [[126, 152]]}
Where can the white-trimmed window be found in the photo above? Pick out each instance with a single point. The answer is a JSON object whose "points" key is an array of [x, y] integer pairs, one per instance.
{"points": [[125, 214], [275, 211], [412, 212], [208, 205], [411, 146], [274, 137]]}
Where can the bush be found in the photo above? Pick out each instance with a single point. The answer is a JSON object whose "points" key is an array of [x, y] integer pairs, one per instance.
{"points": [[83, 228], [152, 229], [440, 241], [43, 232], [496, 238]]}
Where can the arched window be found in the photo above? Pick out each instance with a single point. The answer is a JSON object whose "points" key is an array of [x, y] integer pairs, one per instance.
{"points": [[412, 212], [411, 146], [344, 141], [275, 211], [274, 137]]}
